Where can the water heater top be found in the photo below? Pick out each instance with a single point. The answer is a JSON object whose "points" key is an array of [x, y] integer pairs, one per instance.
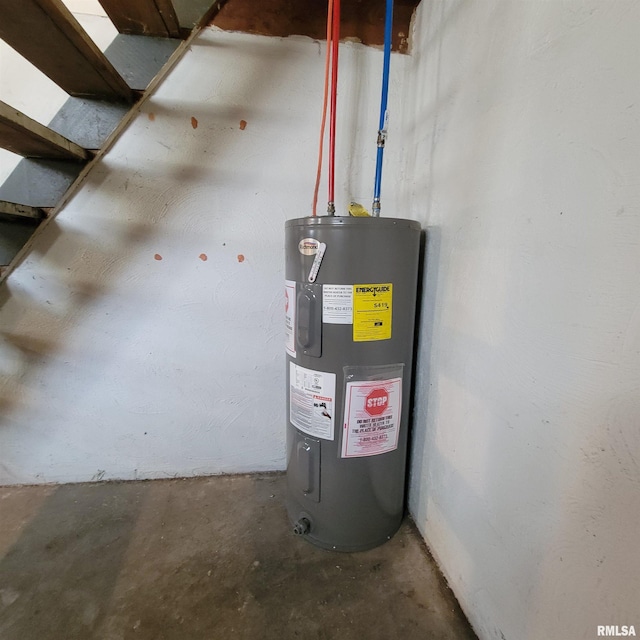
{"points": [[350, 221]]}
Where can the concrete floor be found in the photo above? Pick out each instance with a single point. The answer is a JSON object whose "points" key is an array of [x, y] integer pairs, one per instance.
{"points": [[206, 558]]}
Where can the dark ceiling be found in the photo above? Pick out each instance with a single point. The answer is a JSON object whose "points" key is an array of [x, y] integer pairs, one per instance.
{"points": [[361, 19]]}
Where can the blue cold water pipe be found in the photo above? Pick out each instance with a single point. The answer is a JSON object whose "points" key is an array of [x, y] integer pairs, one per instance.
{"points": [[384, 117]]}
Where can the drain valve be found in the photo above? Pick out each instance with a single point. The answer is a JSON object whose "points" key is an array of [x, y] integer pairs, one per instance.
{"points": [[301, 528]]}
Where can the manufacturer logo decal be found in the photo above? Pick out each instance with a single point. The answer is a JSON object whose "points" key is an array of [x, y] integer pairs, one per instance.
{"points": [[308, 246]]}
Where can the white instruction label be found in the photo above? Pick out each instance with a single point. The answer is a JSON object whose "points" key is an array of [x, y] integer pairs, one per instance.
{"points": [[337, 303], [312, 396], [290, 316], [371, 417]]}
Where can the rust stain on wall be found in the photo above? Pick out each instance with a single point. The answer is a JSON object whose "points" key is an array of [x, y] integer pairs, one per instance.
{"points": [[203, 257], [194, 122], [151, 116], [157, 257], [240, 258], [243, 125]]}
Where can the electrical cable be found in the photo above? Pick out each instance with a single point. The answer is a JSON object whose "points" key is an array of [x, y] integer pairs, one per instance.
{"points": [[335, 41], [325, 102]]}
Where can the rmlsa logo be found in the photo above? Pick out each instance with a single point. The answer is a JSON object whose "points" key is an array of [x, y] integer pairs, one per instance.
{"points": [[615, 630]]}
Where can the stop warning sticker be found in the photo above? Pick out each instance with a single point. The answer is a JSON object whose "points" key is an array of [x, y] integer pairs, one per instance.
{"points": [[372, 311], [371, 417]]}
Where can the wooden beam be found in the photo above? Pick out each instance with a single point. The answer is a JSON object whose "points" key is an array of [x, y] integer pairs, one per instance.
{"points": [[46, 34], [143, 17], [21, 211], [26, 137]]}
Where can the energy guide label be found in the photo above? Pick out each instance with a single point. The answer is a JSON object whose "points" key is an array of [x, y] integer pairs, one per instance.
{"points": [[372, 311], [312, 396]]}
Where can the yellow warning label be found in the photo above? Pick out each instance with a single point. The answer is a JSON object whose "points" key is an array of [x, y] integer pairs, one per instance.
{"points": [[372, 309]]}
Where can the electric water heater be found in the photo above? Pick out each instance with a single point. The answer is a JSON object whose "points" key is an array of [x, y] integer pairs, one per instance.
{"points": [[350, 301]]}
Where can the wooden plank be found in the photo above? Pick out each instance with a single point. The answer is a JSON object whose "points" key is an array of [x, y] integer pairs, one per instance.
{"points": [[14, 234], [138, 59], [26, 137], [21, 211], [169, 16], [46, 34], [40, 183], [87, 121], [144, 17], [197, 13]]}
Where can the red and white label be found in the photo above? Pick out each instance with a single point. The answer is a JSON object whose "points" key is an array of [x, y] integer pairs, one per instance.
{"points": [[312, 397], [371, 417]]}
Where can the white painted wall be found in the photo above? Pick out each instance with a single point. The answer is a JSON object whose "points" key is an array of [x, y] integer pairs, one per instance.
{"points": [[118, 365], [524, 124]]}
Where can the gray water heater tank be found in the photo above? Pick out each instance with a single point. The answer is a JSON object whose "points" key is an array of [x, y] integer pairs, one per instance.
{"points": [[350, 301]]}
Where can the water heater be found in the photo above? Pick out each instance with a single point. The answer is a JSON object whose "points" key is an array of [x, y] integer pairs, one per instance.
{"points": [[350, 301]]}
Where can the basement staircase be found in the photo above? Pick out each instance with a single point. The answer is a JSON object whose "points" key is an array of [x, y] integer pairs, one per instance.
{"points": [[103, 89]]}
